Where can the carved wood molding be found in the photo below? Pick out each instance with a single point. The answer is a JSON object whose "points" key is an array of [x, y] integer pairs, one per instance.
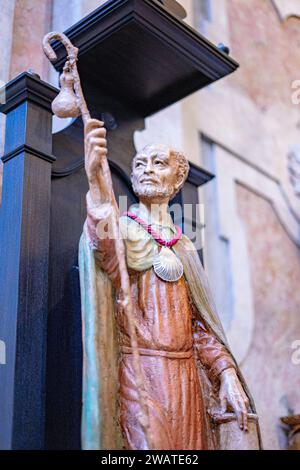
{"points": [[79, 165], [29, 150], [26, 87], [197, 176], [161, 58]]}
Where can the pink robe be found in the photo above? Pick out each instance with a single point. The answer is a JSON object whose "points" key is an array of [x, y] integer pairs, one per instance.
{"points": [[171, 339]]}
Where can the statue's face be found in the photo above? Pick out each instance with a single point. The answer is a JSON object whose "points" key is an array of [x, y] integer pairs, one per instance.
{"points": [[155, 173]]}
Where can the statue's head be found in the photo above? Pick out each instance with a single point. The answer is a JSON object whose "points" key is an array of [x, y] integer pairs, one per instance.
{"points": [[158, 173]]}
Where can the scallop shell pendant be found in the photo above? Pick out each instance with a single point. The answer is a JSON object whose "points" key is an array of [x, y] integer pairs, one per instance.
{"points": [[167, 266]]}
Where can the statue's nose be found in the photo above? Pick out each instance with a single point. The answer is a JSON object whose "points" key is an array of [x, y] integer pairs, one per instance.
{"points": [[149, 168]]}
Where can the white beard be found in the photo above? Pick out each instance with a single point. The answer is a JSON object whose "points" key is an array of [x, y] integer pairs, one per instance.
{"points": [[149, 191]]}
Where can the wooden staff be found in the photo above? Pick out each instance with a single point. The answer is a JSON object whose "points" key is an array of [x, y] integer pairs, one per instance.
{"points": [[125, 300]]}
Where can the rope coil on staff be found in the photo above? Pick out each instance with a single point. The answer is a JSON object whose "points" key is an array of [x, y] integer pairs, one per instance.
{"points": [[125, 300]]}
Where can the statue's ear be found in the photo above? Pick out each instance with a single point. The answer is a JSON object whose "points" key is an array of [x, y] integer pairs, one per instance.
{"points": [[180, 182], [177, 186]]}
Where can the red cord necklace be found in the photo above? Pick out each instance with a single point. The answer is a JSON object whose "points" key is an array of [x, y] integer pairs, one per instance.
{"points": [[167, 266], [153, 233]]}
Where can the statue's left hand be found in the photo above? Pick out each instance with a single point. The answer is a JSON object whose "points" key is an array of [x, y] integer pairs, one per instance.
{"points": [[232, 396]]}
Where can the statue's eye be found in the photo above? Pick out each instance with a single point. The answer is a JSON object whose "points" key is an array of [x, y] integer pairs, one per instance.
{"points": [[158, 162], [138, 164]]}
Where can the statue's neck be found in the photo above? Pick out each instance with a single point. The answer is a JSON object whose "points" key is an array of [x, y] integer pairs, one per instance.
{"points": [[157, 213]]}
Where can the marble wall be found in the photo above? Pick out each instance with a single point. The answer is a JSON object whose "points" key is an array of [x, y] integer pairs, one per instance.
{"points": [[252, 124], [32, 20], [269, 367]]}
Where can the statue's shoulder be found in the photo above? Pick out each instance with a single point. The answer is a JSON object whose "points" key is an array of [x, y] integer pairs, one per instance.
{"points": [[187, 243], [131, 230]]}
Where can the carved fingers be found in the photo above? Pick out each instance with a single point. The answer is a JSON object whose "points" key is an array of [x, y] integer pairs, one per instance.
{"points": [[233, 398], [95, 147]]}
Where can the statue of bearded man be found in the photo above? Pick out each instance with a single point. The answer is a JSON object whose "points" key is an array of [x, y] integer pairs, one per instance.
{"points": [[186, 364]]}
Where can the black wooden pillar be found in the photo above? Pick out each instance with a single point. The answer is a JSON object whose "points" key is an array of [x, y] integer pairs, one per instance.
{"points": [[24, 247]]}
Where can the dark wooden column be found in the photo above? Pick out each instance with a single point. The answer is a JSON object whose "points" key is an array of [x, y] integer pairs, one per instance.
{"points": [[24, 247]]}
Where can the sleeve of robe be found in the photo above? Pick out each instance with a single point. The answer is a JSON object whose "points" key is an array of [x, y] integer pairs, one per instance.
{"points": [[212, 354], [99, 218]]}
